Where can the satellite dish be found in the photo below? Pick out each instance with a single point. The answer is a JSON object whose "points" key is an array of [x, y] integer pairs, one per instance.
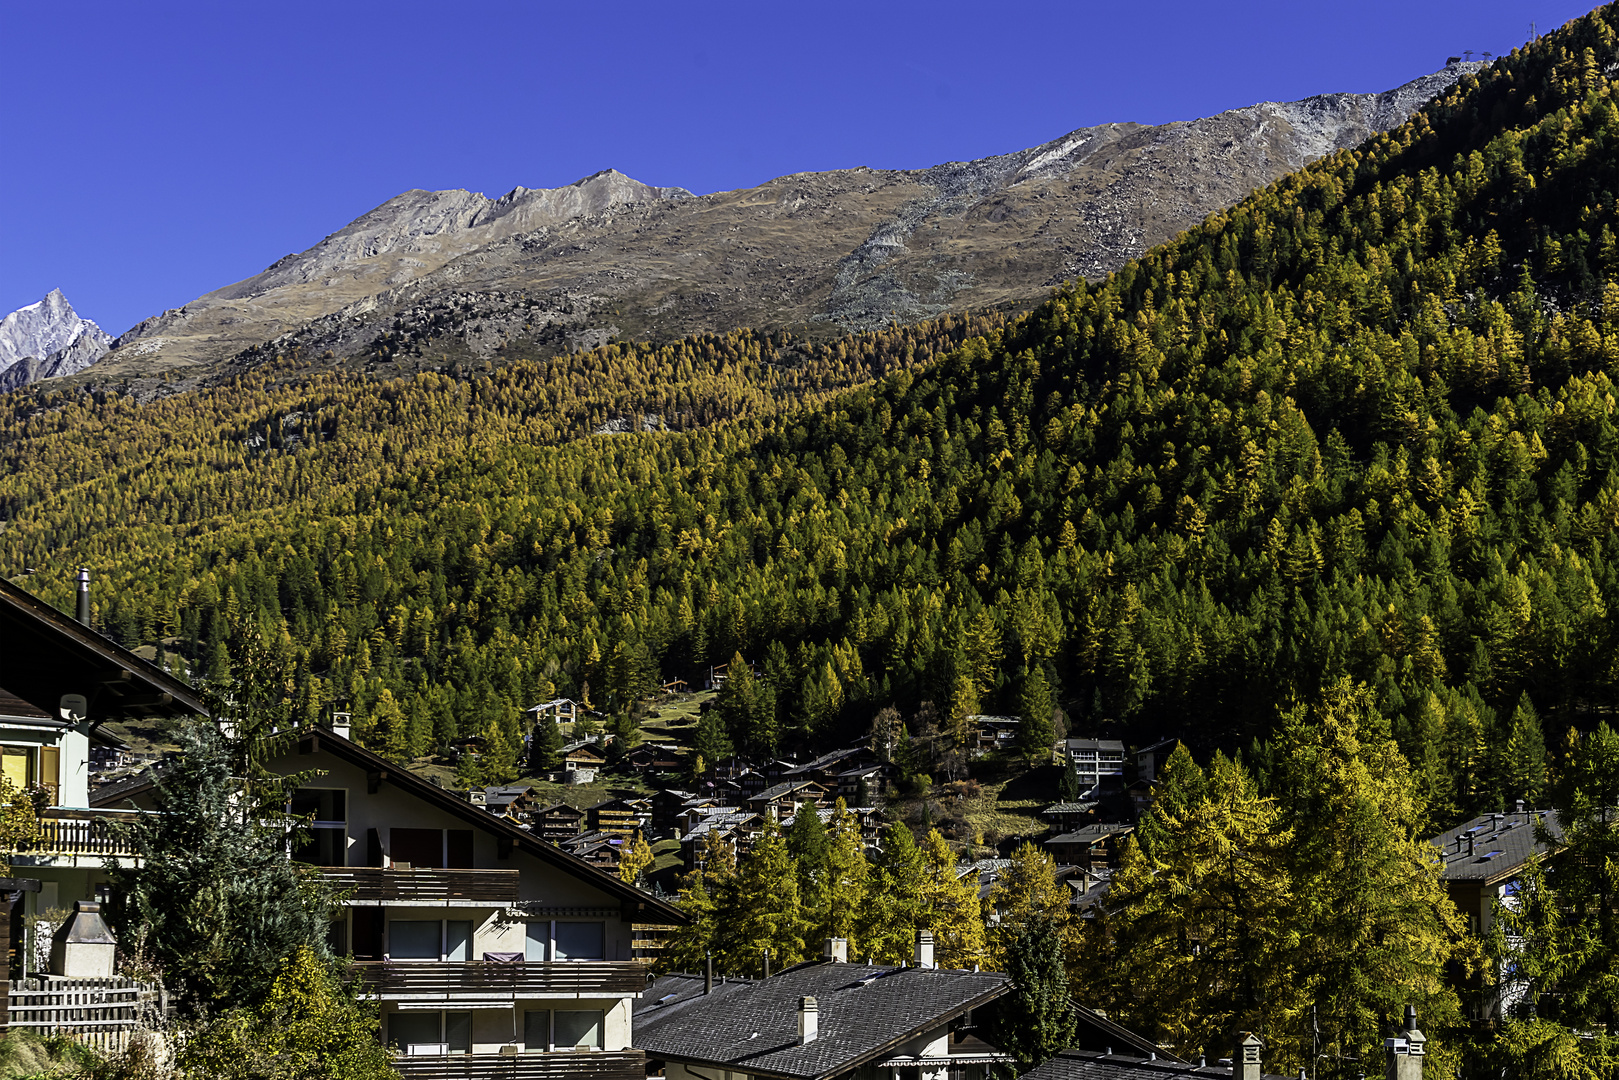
{"points": [[74, 706]]}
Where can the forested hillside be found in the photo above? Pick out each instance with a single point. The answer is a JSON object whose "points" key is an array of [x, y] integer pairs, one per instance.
{"points": [[1363, 424]]}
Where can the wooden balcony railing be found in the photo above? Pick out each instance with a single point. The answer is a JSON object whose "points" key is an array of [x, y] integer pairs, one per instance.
{"points": [[366, 884], [80, 832], [575, 1065], [491, 979]]}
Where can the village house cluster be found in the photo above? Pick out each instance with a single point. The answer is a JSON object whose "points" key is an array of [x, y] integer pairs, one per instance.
{"points": [[496, 936]]}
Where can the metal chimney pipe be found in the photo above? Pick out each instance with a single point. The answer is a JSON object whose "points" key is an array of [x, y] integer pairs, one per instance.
{"points": [[84, 595], [708, 973], [767, 963]]}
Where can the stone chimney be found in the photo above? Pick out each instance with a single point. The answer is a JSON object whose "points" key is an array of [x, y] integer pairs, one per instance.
{"points": [[1246, 1065], [836, 950], [340, 725], [924, 948], [1403, 1054], [83, 948], [809, 1020]]}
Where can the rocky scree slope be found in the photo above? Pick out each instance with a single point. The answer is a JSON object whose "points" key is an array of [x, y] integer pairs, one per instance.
{"points": [[47, 339], [434, 277]]}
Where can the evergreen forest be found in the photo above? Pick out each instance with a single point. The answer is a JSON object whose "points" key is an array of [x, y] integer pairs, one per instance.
{"points": [[1361, 426]]}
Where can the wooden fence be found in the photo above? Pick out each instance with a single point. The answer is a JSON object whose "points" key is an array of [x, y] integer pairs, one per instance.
{"points": [[102, 1013]]}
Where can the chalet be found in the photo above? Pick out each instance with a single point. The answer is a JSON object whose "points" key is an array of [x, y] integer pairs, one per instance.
{"points": [[992, 733], [561, 710], [823, 1021], [512, 802], [621, 817], [1099, 762], [869, 818], [1150, 759], [558, 822], [666, 808], [582, 760], [675, 686], [1094, 847], [480, 941], [740, 827], [1066, 817], [824, 770], [851, 782], [782, 799], [651, 757], [62, 681]]}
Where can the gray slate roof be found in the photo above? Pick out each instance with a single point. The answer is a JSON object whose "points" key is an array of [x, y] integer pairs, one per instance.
{"points": [[1090, 1065], [866, 1012], [1501, 844]]}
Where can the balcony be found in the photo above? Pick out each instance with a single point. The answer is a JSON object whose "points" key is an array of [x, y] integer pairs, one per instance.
{"points": [[613, 1065], [487, 980], [68, 834], [374, 885]]}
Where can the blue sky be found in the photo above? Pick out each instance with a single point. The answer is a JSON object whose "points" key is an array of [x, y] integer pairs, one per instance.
{"points": [[156, 151]]}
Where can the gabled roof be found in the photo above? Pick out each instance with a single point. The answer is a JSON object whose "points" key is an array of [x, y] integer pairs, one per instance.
{"points": [[783, 789], [865, 1014], [1493, 847], [502, 828], [13, 707], [45, 653]]}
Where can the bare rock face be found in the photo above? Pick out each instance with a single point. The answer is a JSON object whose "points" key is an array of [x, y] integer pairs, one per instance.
{"points": [[47, 339], [454, 274]]}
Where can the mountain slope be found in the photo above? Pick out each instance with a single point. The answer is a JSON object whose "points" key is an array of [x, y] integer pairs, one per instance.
{"points": [[47, 339], [854, 249]]}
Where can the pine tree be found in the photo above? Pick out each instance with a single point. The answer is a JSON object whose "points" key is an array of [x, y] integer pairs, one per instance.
{"points": [[1523, 768], [894, 912], [1035, 734], [847, 890], [1026, 892], [1196, 941], [1036, 1019], [1376, 928], [950, 907], [758, 907], [1178, 788], [213, 898], [309, 1027], [807, 843], [545, 748], [1067, 782], [711, 741]]}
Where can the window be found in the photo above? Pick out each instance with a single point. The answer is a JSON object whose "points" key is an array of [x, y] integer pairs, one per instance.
{"points": [[429, 939], [566, 941], [537, 944], [430, 1032], [579, 940], [431, 849], [414, 940], [537, 1029], [582, 1028], [325, 813], [458, 940]]}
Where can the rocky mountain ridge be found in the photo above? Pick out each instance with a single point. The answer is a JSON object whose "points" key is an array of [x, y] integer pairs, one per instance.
{"points": [[445, 276], [47, 339]]}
